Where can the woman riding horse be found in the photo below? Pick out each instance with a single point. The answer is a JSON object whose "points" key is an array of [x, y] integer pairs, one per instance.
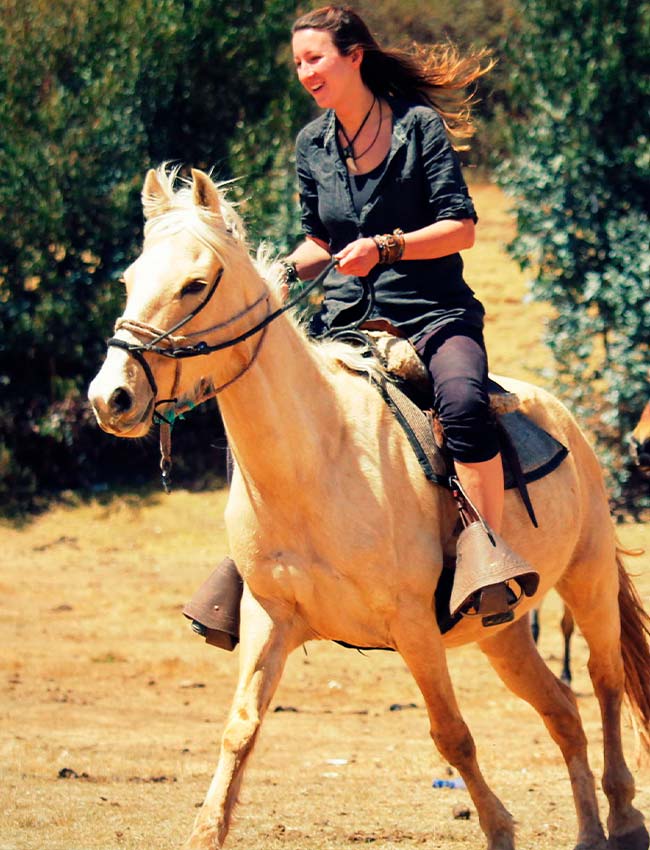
{"points": [[382, 191]]}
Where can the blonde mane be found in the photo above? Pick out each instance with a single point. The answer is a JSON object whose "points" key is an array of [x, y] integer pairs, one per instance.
{"points": [[176, 211], [224, 232]]}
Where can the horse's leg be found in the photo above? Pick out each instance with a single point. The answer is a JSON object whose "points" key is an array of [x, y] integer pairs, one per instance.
{"points": [[592, 593], [567, 626], [264, 648], [534, 624], [514, 656], [420, 645]]}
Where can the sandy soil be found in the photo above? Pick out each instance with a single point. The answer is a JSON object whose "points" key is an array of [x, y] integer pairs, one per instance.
{"points": [[103, 677]]}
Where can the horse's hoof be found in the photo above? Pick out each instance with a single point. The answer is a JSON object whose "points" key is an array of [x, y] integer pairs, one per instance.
{"points": [[502, 841], [638, 839]]}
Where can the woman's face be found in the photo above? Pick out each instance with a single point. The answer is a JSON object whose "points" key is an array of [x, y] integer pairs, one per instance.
{"points": [[323, 71]]}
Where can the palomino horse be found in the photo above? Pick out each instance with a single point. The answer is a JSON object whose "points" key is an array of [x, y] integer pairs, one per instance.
{"points": [[336, 530], [640, 442]]}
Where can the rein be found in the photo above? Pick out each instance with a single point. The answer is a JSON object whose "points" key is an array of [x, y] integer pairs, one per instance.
{"points": [[176, 350]]}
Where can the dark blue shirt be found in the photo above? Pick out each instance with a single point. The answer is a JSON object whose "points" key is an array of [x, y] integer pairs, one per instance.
{"points": [[422, 183]]}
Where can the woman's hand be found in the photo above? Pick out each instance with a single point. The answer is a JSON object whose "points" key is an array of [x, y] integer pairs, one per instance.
{"points": [[358, 258]]}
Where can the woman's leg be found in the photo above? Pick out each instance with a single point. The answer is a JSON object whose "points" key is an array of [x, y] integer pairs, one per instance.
{"points": [[483, 483], [457, 363]]}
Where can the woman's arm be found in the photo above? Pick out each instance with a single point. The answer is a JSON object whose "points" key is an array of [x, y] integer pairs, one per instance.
{"points": [[428, 243], [439, 240], [307, 260], [310, 257]]}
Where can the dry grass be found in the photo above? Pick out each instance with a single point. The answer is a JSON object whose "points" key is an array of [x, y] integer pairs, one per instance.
{"points": [[103, 676], [513, 324]]}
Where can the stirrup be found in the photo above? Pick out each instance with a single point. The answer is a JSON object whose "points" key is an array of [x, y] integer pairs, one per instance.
{"points": [[490, 579], [486, 569], [214, 608]]}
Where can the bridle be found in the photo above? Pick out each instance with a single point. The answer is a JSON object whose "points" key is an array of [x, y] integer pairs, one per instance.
{"points": [[165, 344]]}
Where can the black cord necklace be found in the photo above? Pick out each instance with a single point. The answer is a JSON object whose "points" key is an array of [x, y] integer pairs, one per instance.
{"points": [[348, 150], [372, 143]]}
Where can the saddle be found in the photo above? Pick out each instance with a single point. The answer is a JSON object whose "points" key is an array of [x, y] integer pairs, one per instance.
{"points": [[484, 571]]}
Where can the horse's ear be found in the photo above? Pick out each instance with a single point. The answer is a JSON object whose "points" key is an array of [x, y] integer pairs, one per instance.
{"points": [[204, 191], [155, 199]]}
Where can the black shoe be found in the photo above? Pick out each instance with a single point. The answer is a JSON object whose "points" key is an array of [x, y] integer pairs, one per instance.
{"points": [[199, 628], [493, 604]]}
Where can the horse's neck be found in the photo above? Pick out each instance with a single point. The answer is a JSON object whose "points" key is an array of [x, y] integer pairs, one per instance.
{"points": [[280, 417]]}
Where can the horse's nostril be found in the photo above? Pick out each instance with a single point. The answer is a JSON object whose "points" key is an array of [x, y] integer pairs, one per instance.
{"points": [[121, 400]]}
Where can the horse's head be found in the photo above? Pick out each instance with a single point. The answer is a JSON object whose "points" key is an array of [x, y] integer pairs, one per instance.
{"points": [[189, 288], [640, 442]]}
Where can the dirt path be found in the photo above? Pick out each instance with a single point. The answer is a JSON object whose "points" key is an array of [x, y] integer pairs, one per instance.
{"points": [[105, 682]]}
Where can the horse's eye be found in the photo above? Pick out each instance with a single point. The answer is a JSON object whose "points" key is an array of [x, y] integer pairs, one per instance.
{"points": [[193, 287]]}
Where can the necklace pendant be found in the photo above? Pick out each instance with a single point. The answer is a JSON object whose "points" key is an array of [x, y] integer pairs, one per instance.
{"points": [[351, 164]]}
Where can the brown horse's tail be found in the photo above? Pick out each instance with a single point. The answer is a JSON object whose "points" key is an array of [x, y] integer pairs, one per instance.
{"points": [[635, 648]]}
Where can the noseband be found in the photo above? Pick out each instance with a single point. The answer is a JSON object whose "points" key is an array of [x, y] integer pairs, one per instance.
{"points": [[173, 346]]}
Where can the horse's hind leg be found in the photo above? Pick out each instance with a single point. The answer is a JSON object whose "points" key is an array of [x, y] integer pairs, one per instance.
{"points": [[591, 589], [514, 656], [422, 649], [567, 625], [264, 648]]}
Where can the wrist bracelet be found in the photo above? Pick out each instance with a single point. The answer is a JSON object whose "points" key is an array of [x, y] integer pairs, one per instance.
{"points": [[289, 272], [390, 247]]}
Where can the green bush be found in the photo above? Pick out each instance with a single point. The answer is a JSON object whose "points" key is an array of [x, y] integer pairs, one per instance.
{"points": [[580, 179], [91, 95]]}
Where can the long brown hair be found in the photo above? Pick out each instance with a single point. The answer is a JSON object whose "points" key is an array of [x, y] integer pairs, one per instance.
{"points": [[436, 75]]}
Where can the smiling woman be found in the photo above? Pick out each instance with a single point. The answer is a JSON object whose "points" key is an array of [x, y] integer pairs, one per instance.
{"points": [[382, 191], [383, 194]]}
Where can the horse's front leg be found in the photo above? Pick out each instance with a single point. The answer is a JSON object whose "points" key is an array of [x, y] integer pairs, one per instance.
{"points": [[266, 641]]}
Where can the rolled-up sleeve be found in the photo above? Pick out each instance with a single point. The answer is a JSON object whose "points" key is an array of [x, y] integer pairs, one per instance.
{"points": [[308, 191], [447, 191]]}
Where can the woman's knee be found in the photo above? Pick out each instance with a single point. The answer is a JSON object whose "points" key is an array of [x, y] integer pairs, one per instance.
{"points": [[464, 412], [462, 400]]}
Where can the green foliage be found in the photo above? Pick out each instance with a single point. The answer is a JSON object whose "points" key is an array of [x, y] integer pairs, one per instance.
{"points": [[580, 178], [93, 92]]}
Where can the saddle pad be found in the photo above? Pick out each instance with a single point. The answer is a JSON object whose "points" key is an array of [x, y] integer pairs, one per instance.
{"points": [[539, 453]]}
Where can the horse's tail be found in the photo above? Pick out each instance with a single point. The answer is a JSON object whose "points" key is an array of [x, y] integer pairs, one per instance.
{"points": [[635, 649]]}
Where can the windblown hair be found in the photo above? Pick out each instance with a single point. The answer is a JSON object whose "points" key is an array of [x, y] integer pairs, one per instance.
{"points": [[436, 75]]}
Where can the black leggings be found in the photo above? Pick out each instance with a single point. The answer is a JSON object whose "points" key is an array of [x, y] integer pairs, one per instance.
{"points": [[457, 362]]}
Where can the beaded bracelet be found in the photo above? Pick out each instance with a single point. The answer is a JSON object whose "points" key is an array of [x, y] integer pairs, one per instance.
{"points": [[390, 247], [289, 273]]}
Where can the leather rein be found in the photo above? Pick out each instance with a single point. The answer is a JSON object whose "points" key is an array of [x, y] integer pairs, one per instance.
{"points": [[165, 344]]}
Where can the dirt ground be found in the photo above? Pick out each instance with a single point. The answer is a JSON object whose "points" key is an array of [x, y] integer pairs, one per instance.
{"points": [[111, 709], [103, 680]]}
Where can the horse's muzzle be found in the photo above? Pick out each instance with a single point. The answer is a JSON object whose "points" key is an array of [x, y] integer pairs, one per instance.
{"points": [[117, 411]]}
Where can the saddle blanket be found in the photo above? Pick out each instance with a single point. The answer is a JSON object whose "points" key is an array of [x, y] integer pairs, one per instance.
{"points": [[538, 452]]}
